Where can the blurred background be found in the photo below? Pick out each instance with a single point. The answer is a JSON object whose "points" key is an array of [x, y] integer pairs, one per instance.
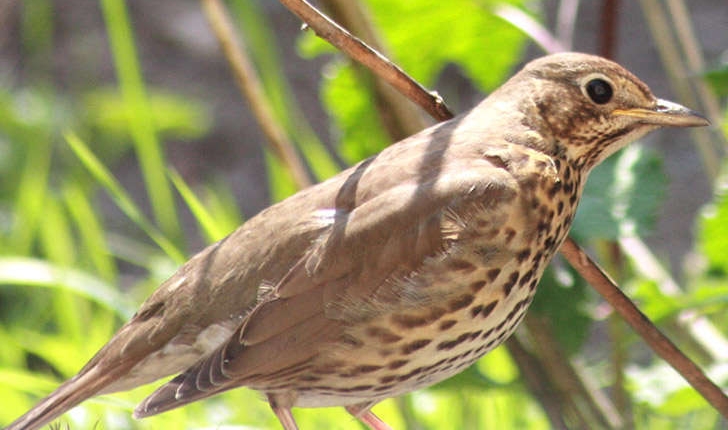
{"points": [[126, 146]]}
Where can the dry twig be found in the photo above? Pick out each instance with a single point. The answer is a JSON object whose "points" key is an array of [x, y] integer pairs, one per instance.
{"points": [[249, 83]]}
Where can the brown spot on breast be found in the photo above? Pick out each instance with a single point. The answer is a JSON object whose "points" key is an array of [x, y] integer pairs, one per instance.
{"points": [[383, 335], [549, 242], [475, 310], [532, 285], [486, 334], [555, 188], [508, 286], [415, 345], [415, 320], [309, 378], [357, 388], [488, 309], [414, 372], [367, 368], [396, 364], [523, 255], [461, 266], [510, 234], [517, 308], [386, 387], [447, 324], [526, 278], [387, 379], [450, 344], [386, 352], [492, 274], [460, 302], [537, 258], [477, 285]]}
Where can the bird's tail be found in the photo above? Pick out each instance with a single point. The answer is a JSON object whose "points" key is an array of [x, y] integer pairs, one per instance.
{"points": [[69, 394]]}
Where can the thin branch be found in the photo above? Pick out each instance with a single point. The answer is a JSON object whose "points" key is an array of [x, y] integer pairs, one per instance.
{"points": [[536, 378], [700, 328], [252, 89], [590, 408], [643, 326], [376, 62], [608, 30]]}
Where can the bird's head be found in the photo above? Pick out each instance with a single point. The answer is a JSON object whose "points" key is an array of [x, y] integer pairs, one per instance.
{"points": [[586, 107]]}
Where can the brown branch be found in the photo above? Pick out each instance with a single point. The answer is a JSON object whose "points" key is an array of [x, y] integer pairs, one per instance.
{"points": [[249, 84], [591, 409], [376, 62], [536, 379], [593, 274], [608, 31]]}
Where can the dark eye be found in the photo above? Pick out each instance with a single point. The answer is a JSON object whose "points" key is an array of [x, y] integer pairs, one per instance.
{"points": [[599, 91]]}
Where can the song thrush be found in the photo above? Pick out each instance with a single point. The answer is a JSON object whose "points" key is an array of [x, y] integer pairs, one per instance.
{"points": [[393, 275]]}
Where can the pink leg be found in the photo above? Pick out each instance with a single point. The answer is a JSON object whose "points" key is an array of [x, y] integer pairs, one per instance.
{"points": [[283, 413], [365, 415]]}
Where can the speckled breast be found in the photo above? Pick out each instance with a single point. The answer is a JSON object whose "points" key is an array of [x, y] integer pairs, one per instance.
{"points": [[490, 277]]}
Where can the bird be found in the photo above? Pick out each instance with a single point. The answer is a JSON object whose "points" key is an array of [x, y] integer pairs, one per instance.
{"points": [[392, 275]]}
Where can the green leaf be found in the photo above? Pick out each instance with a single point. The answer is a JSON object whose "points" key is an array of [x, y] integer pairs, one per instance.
{"points": [[622, 196], [139, 115], [280, 178], [121, 197], [39, 273], [174, 116], [90, 230], [718, 80], [350, 103], [424, 36], [210, 227], [564, 304], [713, 228]]}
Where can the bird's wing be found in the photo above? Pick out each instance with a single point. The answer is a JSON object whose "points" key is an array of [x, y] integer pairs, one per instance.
{"points": [[385, 238]]}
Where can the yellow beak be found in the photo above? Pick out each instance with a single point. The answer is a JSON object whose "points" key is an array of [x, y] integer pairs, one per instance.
{"points": [[667, 114]]}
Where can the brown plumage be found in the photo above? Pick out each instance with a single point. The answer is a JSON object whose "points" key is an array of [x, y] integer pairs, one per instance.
{"points": [[393, 275]]}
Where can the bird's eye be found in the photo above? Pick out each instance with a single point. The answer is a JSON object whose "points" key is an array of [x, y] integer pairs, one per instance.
{"points": [[599, 91]]}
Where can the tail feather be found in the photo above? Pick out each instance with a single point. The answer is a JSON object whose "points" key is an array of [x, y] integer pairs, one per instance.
{"points": [[65, 397]]}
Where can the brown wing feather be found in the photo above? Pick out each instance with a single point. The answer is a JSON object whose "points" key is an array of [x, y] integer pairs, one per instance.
{"points": [[385, 238]]}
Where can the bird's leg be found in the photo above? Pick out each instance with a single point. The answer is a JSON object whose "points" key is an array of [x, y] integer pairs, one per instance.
{"points": [[283, 413], [364, 414], [286, 418]]}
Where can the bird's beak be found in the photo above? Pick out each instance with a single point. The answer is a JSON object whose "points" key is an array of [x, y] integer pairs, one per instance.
{"points": [[666, 114]]}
